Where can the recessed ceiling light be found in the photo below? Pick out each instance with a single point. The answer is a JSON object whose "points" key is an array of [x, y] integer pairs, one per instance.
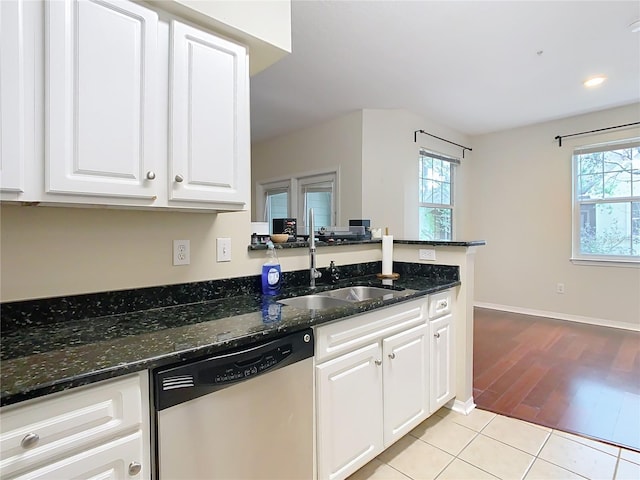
{"points": [[635, 26], [594, 81]]}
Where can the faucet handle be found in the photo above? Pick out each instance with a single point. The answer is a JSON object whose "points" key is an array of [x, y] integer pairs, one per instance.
{"points": [[334, 274]]}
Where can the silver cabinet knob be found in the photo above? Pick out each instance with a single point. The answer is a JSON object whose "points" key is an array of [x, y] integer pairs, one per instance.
{"points": [[378, 362], [30, 440], [437, 335], [134, 468], [151, 175], [392, 356], [179, 178]]}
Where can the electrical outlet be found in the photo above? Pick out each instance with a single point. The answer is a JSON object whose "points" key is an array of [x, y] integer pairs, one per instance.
{"points": [[181, 252], [223, 249], [427, 254], [560, 288]]}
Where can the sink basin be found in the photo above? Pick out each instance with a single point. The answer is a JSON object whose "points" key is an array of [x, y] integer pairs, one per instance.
{"points": [[362, 293], [314, 302], [342, 296]]}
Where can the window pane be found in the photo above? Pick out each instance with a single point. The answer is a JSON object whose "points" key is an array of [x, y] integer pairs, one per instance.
{"points": [[589, 186], [590, 163], [635, 228], [277, 206], [321, 204], [617, 184], [607, 229], [435, 223], [435, 181]]}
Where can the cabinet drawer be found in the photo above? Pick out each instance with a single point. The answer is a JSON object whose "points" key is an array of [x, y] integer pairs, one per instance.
{"points": [[45, 429], [440, 303], [116, 460], [345, 335]]}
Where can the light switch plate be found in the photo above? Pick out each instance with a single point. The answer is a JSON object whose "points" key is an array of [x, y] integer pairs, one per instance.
{"points": [[223, 249], [427, 254]]}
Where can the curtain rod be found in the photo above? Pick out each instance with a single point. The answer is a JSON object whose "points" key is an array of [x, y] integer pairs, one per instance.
{"points": [[560, 137], [415, 140]]}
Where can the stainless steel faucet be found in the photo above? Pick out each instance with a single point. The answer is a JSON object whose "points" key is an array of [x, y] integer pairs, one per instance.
{"points": [[313, 271]]}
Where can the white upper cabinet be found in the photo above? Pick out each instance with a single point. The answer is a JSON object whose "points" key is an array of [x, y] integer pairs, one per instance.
{"points": [[12, 93], [209, 119], [100, 98]]}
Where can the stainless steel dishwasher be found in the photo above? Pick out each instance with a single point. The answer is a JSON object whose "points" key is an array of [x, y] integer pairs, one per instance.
{"points": [[242, 415]]}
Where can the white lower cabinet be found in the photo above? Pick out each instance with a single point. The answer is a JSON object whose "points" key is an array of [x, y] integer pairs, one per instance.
{"points": [[405, 358], [116, 460], [370, 396], [442, 361], [349, 409], [97, 431], [442, 351]]}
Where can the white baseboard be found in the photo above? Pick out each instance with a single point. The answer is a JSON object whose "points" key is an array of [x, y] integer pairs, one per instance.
{"points": [[560, 316], [459, 406]]}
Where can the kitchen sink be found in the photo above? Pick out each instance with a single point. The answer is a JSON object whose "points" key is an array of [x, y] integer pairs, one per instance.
{"points": [[362, 293], [314, 302], [343, 296]]}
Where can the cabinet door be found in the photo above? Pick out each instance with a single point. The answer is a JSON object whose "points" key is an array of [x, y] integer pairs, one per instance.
{"points": [[12, 93], [117, 460], [100, 98], [406, 401], [209, 127], [442, 361], [349, 412]]}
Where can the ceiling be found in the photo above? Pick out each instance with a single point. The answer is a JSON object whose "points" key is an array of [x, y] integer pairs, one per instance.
{"points": [[473, 66]]}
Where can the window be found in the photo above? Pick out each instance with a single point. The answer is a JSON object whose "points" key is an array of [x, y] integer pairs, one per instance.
{"points": [[317, 192], [295, 196], [436, 196], [606, 213], [276, 201]]}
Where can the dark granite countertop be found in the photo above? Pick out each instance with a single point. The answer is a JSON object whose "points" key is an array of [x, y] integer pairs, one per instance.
{"points": [[55, 344], [435, 243]]}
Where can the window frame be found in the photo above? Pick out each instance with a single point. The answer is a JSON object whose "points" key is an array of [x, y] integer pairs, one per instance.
{"points": [[453, 162], [294, 185], [577, 257]]}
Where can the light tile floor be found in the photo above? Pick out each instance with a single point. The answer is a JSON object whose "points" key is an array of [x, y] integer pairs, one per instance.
{"points": [[483, 445]]}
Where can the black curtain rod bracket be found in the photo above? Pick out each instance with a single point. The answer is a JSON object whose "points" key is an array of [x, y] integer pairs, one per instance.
{"points": [[415, 140], [560, 137]]}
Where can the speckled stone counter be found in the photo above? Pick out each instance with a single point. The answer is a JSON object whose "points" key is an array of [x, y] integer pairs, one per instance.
{"points": [[433, 243], [55, 344]]}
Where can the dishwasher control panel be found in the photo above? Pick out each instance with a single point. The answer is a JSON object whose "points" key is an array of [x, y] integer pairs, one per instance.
{"points": [[246, 369], [189, 380]]}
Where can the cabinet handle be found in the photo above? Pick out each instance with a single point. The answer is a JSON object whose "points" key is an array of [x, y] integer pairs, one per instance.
{"points": [[134, 468], [392, 356], [437, 335], [30, 440], [179, 178], [151, 175], [378, 362]]}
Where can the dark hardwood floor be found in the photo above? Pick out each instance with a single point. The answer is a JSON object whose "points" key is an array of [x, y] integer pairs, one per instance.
{"points": [[579, 378]]}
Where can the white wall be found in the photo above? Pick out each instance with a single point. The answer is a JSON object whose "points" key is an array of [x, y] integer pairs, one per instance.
{"points": [[333, 145], [50, 251], [390, 168], [520, 186], [378, 162], [263, 25]]}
